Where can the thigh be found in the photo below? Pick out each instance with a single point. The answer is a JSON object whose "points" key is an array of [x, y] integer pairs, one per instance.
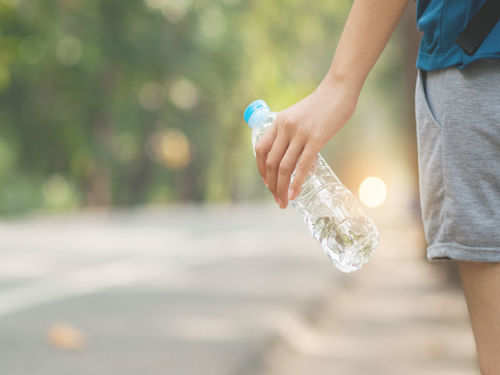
{"points": [[481, 284]]}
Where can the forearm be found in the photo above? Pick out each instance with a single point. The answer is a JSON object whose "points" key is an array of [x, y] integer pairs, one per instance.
{"points": [[366, 32], [300, 131]]}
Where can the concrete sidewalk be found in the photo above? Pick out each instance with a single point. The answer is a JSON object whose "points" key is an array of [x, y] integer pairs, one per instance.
{"points": [[399, 315], [185, 290], [234, 290]]}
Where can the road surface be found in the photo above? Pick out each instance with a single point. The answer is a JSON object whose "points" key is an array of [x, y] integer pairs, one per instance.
{"points": [[218, 290]]}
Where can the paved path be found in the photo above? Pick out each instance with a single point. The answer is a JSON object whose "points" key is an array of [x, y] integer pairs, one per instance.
{"points": [[398, 316], [186, 290], [219, 290]]}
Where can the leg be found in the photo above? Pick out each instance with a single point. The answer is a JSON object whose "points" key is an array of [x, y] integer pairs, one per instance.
{"points": [[481, 283]]}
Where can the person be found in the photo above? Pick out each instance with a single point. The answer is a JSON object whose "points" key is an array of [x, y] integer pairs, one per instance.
{"points": [[457, 106]]}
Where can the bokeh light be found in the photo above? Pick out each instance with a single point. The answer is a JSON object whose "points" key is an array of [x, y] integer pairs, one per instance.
{"points": [[171, 148], [69, 50], [373, 191], [58, 193], [183, 94], [212, 25], [173, 10]]}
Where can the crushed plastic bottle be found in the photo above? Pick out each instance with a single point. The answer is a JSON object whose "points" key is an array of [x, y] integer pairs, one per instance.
{"points": [[332, 213]]}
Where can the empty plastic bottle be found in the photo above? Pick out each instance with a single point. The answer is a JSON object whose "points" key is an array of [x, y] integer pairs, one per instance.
{"points": [[332, 213]]}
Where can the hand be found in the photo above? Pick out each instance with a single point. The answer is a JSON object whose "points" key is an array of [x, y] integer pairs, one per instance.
{"points": [[298, 134]]}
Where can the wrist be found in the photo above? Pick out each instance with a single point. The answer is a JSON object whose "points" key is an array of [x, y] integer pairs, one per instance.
{"points": [[341, 91], [349, 84]]}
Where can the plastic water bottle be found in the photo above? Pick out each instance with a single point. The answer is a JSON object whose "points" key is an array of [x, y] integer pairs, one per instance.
{"points": [[332, 213]]}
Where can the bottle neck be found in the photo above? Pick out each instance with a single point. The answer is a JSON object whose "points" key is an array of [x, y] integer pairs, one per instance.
{"points": [[260, 118]]}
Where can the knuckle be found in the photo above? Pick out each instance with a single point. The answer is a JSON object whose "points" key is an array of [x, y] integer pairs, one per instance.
{"points": [[302, 132], [282, 119], [285, 169], [271, 165], [316, 139], [260, 148], [309, 154], [301, 171], [285, 122]]}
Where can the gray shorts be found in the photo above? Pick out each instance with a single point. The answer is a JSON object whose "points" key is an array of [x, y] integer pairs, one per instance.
{"points": [[458, 133]]}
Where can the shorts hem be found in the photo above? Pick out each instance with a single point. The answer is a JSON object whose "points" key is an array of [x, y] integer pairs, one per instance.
{"points": [[453, 251]]}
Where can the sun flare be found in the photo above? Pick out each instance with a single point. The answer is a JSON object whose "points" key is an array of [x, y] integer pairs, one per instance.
{"points": [[372, 191]]}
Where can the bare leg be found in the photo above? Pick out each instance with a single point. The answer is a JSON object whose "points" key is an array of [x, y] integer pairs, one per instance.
{"points": [[481, 283]]}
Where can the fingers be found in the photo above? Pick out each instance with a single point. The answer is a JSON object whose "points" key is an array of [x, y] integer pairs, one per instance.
{"points": [[304, 165], [262, 148], [273, 162], [286, 168], [281, 150]]}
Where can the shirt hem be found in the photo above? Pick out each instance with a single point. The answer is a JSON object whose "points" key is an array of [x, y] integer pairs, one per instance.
{"points": [[429, 62]]}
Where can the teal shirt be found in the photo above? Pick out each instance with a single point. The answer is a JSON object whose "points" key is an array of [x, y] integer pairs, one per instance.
{"points": [[441, 21]]}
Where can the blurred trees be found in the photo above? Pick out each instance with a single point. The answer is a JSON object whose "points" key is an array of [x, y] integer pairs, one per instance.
{"points": [[121, 102]]}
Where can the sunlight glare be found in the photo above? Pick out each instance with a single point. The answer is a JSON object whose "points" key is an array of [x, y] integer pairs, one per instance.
{"points": [[372, 191]]}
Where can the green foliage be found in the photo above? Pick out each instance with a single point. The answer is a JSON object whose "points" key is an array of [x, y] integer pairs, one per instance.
{"points": [[122, 102]]}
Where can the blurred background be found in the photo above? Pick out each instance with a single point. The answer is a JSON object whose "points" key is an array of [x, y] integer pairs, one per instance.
{"points": [[136, 234]]}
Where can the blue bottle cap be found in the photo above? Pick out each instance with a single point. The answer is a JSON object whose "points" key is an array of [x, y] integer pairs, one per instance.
{"points": [[254, 106]]}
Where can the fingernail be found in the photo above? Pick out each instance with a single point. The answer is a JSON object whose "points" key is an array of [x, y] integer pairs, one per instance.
{"points": [[290, 194]]}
